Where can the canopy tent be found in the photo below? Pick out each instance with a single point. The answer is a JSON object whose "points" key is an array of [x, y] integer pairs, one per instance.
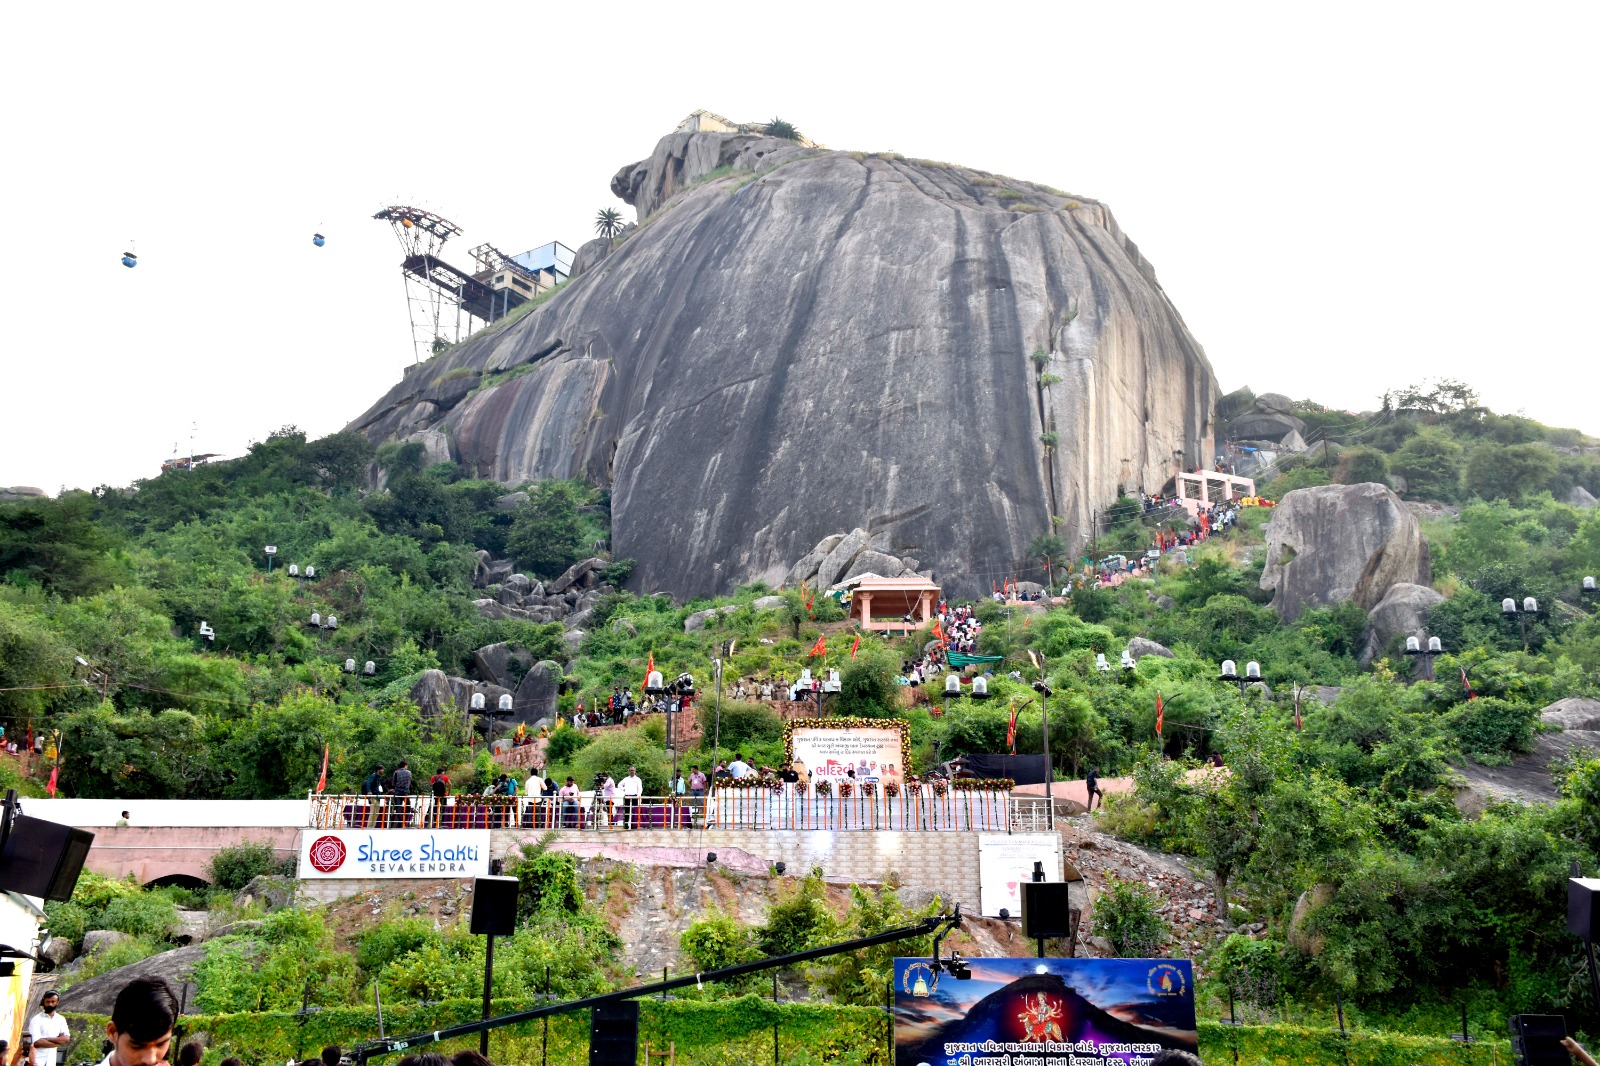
{"points": [[961, 661]]}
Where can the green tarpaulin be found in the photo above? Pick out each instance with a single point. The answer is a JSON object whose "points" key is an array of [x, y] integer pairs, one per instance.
{"points": [[961, 662]]}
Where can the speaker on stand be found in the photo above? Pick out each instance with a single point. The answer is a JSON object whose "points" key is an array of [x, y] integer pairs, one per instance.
{"points": [[494, 913], [614, 1034]]}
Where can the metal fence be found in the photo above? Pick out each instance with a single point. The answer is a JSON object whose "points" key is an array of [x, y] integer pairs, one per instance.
{"points": [[954, 810]]}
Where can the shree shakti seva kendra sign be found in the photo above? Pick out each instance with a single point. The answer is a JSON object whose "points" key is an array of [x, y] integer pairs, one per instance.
{"points": [[393, 853]]}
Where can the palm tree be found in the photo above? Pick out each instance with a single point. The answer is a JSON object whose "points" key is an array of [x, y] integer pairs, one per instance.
{"points": [[608, 223], [779, 128]]}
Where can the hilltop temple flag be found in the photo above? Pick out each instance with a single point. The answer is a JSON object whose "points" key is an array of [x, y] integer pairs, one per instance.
{"points": [[820, 647], [1160, 714], [938, 632], [855, 647], [322, 782], [51, 787], [1011, 731]]}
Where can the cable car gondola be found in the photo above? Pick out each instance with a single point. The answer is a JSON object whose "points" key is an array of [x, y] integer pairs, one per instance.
{"points": [[318, 239], [129, 260]]}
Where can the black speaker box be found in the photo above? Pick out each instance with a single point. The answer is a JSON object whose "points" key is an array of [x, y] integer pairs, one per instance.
{"points": [[494, 906], [1583, 908], [614, 1034], [1044, 909], [43, 858], [1536, 1040]]}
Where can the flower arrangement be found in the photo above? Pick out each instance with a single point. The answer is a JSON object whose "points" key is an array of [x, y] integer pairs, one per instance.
{"points": [[824, 787], [984, 784], [753, 781], [869, 788], [891, 789], [846, 788], [913, 786], [476, 800], [940, 786]]}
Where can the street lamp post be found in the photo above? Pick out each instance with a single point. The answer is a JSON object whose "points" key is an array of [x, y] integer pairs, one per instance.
{"points": [[1230, 674], [1425, 653], [1530, 606], [1588, 591], [271, 550], [1042, 687]]}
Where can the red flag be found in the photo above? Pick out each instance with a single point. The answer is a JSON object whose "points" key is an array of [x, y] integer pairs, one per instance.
{"points": [[820, 647], [51, 787], [855, 647], [322, 782], [1160, 714], [938, 633], [1011, 731], [1471, 695]]}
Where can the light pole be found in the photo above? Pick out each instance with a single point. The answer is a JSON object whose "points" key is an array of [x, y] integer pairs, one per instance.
{"points": [[716, 734], [301, 577], [1530, 606], [1588, 591], [271, 550], [1042, 687], [1230, 674], [1426, 653]]}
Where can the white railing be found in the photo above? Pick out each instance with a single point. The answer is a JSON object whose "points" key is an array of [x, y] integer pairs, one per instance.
{"points": [[768, 808]]}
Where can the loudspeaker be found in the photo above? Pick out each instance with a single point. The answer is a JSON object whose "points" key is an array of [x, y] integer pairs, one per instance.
{"points": [[494, 906], [614, 1034], [43, 858], [1536, 1040], [1044, 909], [1583, 908]]}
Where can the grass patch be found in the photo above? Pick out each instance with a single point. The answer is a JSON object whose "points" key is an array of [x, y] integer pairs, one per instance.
{"points": [[1007, 194], [458, 373], [985, 181], [1027, 209], [492, 381]]}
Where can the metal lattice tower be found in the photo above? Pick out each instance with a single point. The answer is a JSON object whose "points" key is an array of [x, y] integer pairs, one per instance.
{"points": [[433, 287]]}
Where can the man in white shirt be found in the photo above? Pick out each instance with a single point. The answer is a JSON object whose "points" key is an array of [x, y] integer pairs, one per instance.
{"points": [[738, 767], [630, 789], [49, 1031]]}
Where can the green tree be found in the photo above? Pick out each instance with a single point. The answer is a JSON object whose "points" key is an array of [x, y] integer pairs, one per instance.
{"points": [[547, 534], [608, 222], [1047, 547], [781, 129], [1362, 464], [1496, 472], [868, 685], [1431, 463]]}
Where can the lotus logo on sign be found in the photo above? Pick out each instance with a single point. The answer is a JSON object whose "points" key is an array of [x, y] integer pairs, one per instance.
{"points": [[395, 853], [327, 854]]}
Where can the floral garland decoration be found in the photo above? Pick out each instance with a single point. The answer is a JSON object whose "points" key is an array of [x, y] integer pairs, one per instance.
{"points": [[983, 784], [891, 789], [823, 788]]}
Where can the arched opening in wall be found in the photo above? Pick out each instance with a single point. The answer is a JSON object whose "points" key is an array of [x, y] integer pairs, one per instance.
{"points": [[187, 882]]}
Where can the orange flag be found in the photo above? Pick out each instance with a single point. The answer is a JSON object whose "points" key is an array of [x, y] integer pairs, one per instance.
{"points": [[820, 647], [51, 787], [855, 647], [1160, 713], [650, 667], [938, 633], [322, 782]]}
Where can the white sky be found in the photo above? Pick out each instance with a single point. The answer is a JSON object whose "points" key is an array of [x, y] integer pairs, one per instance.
{"points": [[1339, 198]]}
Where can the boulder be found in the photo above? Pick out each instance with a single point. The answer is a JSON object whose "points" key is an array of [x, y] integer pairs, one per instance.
{"points": [[508, 596], [435, 446], [462, 689], [573, 639], [480, 567], [1573, 715], [536, 696], [97, 940], [1331, 543], [510, 501], [1580, 497], [1403, 611], [1267, 425], [871, 561], [59, 951], [1292, 442], [1572, 730], [1276, 402], [1139, 647], [766, 603], [697, 621], [1165, 603], [832, 568], [272, 891], [431, 693], [578, 574], [193, 927], [491, 609], [244, 925], [502, 664], [1310, 901], [98, 994], [804, 569]]}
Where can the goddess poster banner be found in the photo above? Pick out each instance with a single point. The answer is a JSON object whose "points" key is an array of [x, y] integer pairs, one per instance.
{"points": [[829, 754], [1043, 1012]]}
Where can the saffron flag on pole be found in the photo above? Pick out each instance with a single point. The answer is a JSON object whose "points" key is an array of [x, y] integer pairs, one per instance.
{"points": [[1471, 695], [51, 787], [820, 647], [650, 667], [322, 782], [1297, 723], [855, 647], [1011, 731], [938, 633], [1160, 713]]}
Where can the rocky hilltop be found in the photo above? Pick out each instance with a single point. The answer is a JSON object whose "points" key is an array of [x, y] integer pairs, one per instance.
{"points": [[795, 341]]}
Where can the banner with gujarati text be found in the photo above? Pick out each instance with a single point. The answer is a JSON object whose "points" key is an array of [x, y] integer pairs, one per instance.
{"points": [[1043, 1012], [829, 754]]}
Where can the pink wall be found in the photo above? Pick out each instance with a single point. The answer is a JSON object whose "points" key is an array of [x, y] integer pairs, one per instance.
{"points": [[150, 853]]}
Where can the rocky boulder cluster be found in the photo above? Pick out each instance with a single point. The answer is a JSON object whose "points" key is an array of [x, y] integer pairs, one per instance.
{"points": [[842, 556]]}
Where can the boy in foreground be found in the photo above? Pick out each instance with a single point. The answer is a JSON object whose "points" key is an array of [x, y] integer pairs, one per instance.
{"points": [[140, 1029]]}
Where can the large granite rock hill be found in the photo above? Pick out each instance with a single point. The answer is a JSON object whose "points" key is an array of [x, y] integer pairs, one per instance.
{"points": [[796, 341]]}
